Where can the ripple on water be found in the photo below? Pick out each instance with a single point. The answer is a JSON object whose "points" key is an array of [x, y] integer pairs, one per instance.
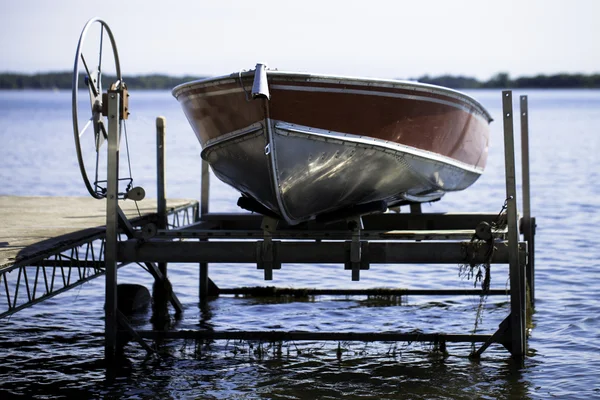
{"points": [[55, 349]]}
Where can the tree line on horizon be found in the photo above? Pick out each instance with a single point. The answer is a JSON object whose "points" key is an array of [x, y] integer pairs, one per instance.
{"points": [[503, 81], [63, 80]]}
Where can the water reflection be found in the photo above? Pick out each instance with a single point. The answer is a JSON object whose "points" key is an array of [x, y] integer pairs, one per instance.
{"points": [[206, 314], [311, 371]]}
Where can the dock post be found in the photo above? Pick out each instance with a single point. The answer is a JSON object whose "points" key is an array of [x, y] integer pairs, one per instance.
{"points": [[204, 198], [517, 287], [203, 282], [161, 191], [110, 250], [528, 223], [204, 189]]}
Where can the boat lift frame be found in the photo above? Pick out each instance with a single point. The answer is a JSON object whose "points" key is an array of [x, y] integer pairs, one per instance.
{"points": [[356, 243]]}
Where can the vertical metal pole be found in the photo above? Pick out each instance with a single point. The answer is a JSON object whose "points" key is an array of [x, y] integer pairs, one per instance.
{"points": [[525, 157], [527, 221], [205, 189], [204, 196], [517, 291], [161, 202], [203, 288], [110, 255]]}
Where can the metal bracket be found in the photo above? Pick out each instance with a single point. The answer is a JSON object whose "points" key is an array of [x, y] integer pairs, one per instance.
{"points": [[502, 336], [267, 257], [124, 224], [123, 100]]}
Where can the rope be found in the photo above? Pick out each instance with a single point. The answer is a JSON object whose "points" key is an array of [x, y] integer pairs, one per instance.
{"points": [[248, 99], [138, 209], [129, 186], [501, 220], [128, 158], [483, 236], [481, 272]]}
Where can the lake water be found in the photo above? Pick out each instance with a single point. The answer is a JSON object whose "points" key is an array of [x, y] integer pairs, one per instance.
{"points": [[55, 349]]}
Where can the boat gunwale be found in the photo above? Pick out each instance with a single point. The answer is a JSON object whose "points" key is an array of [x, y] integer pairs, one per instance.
{"points": [[338, 80]]}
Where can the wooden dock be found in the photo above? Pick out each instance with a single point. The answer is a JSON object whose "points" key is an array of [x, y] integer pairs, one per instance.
{"points": [[49, 245], [34, 226]]}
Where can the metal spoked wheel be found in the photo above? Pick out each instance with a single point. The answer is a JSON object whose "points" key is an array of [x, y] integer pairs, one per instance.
{"points": [[88, 67]]}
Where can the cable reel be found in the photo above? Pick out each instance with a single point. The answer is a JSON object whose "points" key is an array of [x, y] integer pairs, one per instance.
{"points": [[90, 68]]}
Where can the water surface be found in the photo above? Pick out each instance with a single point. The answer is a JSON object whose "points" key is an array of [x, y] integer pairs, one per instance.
{"points": [[55, 349]]}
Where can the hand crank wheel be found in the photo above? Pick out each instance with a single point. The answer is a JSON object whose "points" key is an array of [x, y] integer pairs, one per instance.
{"points": [[88, 65]]}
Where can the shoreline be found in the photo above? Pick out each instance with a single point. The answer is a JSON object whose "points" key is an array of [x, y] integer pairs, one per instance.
{"points": [[63, 81]]}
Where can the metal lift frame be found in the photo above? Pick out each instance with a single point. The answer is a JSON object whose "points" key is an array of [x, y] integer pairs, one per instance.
{"points": [[350, 249]]}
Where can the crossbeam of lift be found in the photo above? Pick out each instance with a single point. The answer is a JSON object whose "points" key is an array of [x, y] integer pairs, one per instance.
{"points": [[312, 252], [387, 238]]}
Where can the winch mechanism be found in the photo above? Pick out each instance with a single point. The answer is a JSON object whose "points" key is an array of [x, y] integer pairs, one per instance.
{"points": [[88, 72]]}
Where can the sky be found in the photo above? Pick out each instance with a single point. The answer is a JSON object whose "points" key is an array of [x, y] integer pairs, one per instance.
{"points": [[371, 38]]}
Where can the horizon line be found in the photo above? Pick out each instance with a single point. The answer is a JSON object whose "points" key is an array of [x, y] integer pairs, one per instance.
{"points": [[422, 75]]}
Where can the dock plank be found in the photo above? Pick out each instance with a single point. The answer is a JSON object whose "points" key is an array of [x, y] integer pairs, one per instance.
{"points": [[30, 226]]}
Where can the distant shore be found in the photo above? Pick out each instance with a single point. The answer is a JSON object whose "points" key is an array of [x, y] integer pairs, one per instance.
{"points": [[62, 80]]}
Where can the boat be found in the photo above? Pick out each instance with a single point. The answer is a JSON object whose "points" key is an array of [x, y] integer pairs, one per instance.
{"points": [[302, 146]]}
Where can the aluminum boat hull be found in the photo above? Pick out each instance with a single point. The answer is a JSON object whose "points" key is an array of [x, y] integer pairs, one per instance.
{"points": [[314, 144]]}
